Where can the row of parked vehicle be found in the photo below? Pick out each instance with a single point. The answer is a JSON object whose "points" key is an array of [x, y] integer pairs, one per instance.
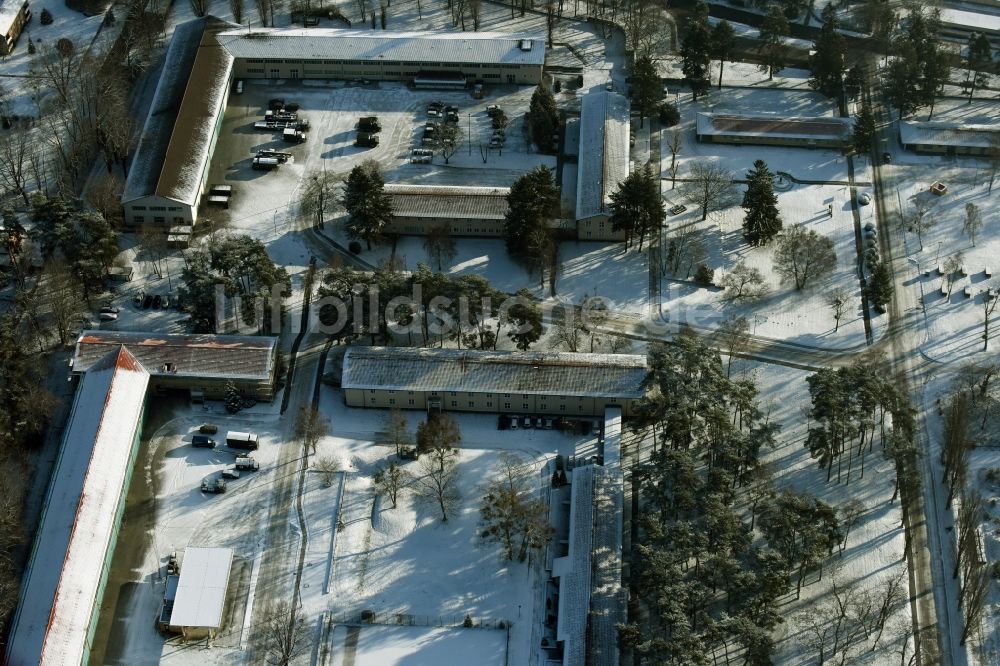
{"points": [[506, 422], [235, 440], [283, 116], [155, 301], [498, 121], [368, 129]]}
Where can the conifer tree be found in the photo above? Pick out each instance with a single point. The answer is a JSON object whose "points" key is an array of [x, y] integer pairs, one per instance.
{"points": [[533, 201], [368, 206], [637, 207], [978, 57], [762, 221], [647, 87], [864, 129], [696, 45], [723, 44], [543, 118], [828, 61], [772, 49]]}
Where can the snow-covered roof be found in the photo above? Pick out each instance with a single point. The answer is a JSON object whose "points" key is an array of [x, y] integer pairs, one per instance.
{"points": [[969, 19], [484, 48], [173, 150], [59, 594], [476, 371], [749, 125], [9, 9], [947, 134], [223, 356], [612, 436], [201, 591], [442, 202], [574, 583], [603, 164]]}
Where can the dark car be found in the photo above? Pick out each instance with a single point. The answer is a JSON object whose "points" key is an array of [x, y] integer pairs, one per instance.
{"points": [[369, 124], [886, 158], [147, 301], [208, 429], [139, 298], [216, 486], [276, 104], [230, 474], [157, 301], [202, 442], [291, 107]]}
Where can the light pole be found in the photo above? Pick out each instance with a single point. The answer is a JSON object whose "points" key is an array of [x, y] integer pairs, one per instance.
{"points": [[470, 134]]}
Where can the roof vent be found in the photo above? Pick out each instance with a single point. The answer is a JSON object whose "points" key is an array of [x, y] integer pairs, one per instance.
{"points": [[525, 44]]}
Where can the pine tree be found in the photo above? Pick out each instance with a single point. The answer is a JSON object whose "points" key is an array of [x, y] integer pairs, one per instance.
{"points": [[828, 61], [647, 87], [864, 129], [722, 44], [637, 206], [879, 287], [46, 17], [696, 45], [772, 49], [979, 57], [762, 221], [533, 201], [368, 206], [543, 118]]}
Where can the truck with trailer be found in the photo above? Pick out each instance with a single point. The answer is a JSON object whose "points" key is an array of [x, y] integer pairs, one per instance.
{"points": [[241, 440], [291, 135]]}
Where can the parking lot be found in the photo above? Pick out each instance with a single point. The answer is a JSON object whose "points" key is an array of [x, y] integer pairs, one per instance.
{"points": [[333, 109]]}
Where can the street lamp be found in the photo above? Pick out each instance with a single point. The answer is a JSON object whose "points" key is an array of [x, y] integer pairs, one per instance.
{"points": [[470, 134]]}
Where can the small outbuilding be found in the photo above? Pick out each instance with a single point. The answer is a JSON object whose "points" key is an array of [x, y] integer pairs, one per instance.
{"points": [[200, 600]]}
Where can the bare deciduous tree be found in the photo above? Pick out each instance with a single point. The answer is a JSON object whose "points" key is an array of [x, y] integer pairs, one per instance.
{"points": [[567, 329], [310, 426], [327, 466], [839, 300], [152, 243], [318, 197], [686, 249], [450, 139], [973, 222], [437, 482], [674, 145], [511, 516], [975, 592], [952, 266], [105, 197], [744, 283], [734, 333], [710, 187], [64, 299], [390, 480], [397, 430], [15, 147], [439, 245], [284, 635]]}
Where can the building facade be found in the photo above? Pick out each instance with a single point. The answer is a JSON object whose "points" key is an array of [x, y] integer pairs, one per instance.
{"points": [[200, 364], [770, 130], [316, 53], [934, 138], [551, 383], [468, 211], [14, 15]]}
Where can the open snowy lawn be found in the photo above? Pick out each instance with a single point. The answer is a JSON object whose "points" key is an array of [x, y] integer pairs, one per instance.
{"points": [[804, 317], [419, 646], [406, 561], [875, 544]]}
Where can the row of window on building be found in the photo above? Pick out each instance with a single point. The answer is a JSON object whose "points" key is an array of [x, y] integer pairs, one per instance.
{"points": [[156, 208], [464, 65]]}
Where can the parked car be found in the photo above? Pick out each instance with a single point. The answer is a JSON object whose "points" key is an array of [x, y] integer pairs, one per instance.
{"points": [[526, 422], [547, 423], [864, 199], [265, 163], [230, 474], [208, 429], [139, 298], [239, 86], [202, 442], [366, 140], [886, 158], [157, 301], [213, 486], [111, 308], [433, 113], [147, 301], [108, 316], [514, 422], [493, 110]]}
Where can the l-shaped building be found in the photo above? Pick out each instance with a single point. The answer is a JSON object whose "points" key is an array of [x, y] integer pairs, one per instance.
{"points": [[170, 168]]}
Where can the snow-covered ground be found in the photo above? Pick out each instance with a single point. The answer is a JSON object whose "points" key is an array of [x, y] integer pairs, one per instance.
{"points": [[801, 317], [405, 562], [405, 646], [874, 549]]}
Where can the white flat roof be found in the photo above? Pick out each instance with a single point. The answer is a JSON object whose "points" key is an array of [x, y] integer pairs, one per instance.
{"points": [[947, 134], [485, 48], [62, 580], [971, 20], [9, 9], [603, 163], [201, 591]]}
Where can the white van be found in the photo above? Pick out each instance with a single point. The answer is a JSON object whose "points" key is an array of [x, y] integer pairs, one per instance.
{"points": [[241, 440]]}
